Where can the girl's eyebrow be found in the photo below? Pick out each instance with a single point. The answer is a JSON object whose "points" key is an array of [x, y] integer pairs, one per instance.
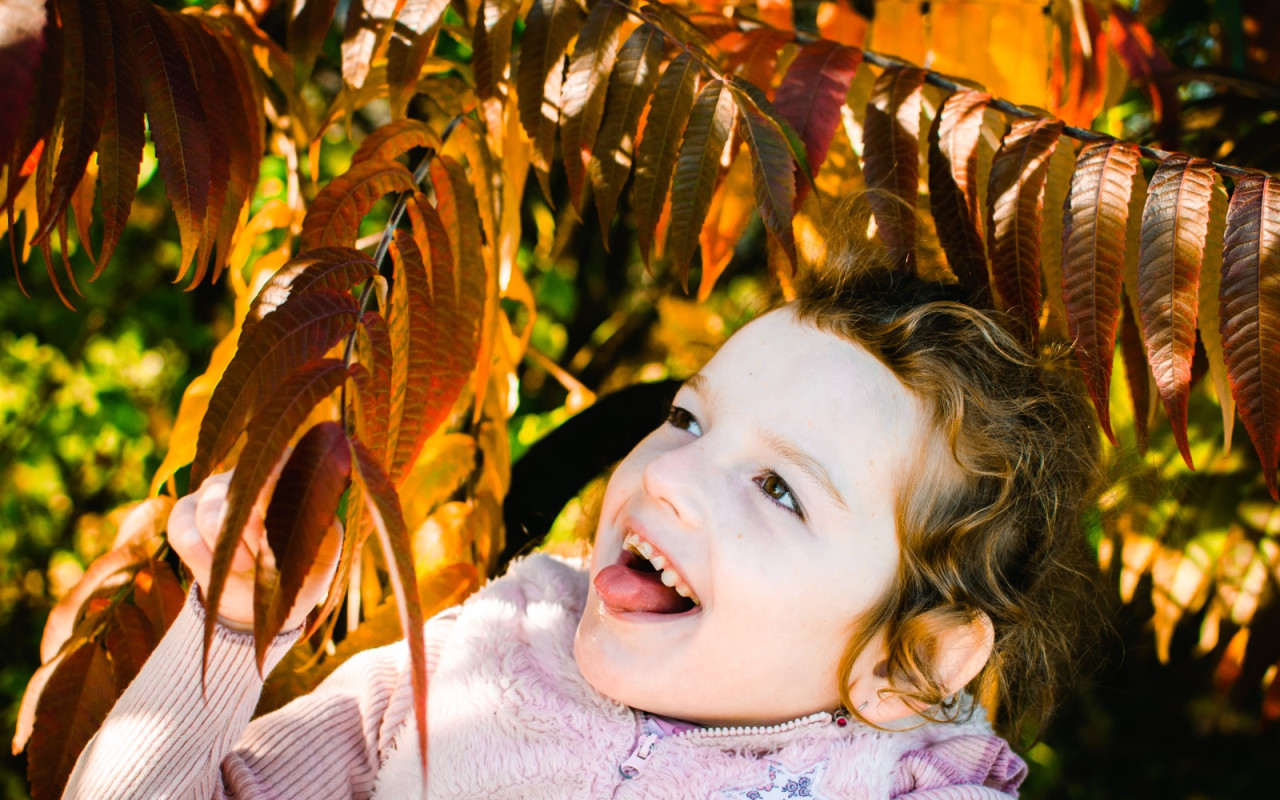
{"points": [[793, 455], [807, 464]]}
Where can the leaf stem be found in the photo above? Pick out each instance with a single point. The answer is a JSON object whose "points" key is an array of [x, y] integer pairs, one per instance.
{"points": [[384, 245]]}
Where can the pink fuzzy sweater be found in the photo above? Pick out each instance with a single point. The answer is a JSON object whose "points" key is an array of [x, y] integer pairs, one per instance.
{"points": [[510, 716]]}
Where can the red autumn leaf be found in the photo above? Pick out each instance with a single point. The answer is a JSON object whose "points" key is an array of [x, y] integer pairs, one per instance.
{"points": [[383, 506], [443, 340], [1137, 374], [1145, 62], [218, 91], [811, 95], [1175, 224], [772, 171], [491, 46], [631, 84], [72, 706], [81, 113], [1249, 310], [1015, 196], [584, 91], [176, 119], [334, 216], [302, 329], [954, 155], [336, 268], [129, 640], [891, 145], [269, 432], [696, 170], [659, 145], [303, 507], [1095, 235], [247, 129], [157, 591]]}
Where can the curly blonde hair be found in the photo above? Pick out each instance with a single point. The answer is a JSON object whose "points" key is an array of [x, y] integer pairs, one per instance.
{"points": [[997, 532]]}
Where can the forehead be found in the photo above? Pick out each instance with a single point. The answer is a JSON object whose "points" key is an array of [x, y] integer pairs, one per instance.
{"points": [[826, 395]]}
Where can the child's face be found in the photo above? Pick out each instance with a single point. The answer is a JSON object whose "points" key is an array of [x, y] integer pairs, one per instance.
{"points": [[770, 493]]}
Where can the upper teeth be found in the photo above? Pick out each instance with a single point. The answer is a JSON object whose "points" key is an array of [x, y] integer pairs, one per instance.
{"points": [[670, 577]]}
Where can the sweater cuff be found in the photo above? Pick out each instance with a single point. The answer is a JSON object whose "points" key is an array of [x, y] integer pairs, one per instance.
{"points": [[231, 640]]}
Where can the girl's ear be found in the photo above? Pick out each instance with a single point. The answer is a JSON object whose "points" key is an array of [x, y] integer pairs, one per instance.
{"points": [[960, 649]]}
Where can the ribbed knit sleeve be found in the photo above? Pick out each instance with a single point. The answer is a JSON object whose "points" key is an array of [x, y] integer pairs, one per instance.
{"points": [[166, 738]]}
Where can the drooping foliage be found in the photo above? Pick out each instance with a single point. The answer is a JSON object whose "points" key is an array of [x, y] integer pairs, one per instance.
{"points": [[383, 354]]}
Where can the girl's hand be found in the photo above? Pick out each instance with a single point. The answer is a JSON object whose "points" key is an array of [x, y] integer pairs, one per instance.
{"points": [[194, 525]]}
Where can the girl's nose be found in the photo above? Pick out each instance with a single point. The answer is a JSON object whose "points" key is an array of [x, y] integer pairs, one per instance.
{"points": [[673, 478]]}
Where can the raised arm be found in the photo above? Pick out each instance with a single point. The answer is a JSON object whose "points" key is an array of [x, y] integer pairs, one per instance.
{"points": [[171, 736]]}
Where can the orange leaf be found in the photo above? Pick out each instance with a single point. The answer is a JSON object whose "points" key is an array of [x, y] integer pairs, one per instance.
{"points": [[411, 43], [395, 139], [954, 165], [584, 91], [1175, 224], [375, 354], [302, 510], [72, 706], [727, 219], [176, 119], [335, 215], [1016, 197], [630, 86], [696, 171], [1095, 236], [336, 268], [659, 144], [891, 153], [444, 337], [302, 329], [1249, 310]]}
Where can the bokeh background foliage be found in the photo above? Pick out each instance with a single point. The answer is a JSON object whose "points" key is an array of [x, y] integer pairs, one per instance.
{"points": [[1183, 703]]}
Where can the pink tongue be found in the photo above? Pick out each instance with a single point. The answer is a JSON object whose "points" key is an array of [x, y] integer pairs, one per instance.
{"points": [[624, 589]]}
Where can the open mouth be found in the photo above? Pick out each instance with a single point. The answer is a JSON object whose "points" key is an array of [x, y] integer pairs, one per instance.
{"points": [[642, 580]]}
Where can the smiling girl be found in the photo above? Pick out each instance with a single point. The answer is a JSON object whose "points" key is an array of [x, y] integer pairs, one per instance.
{"points": [[858, 516]]}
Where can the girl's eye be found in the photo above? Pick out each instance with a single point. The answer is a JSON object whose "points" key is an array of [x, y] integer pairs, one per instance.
{"points": [[681, 418], [779, 492]]}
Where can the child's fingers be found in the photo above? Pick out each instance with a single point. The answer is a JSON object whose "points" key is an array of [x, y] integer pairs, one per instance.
{"points": [[184, 535]]}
